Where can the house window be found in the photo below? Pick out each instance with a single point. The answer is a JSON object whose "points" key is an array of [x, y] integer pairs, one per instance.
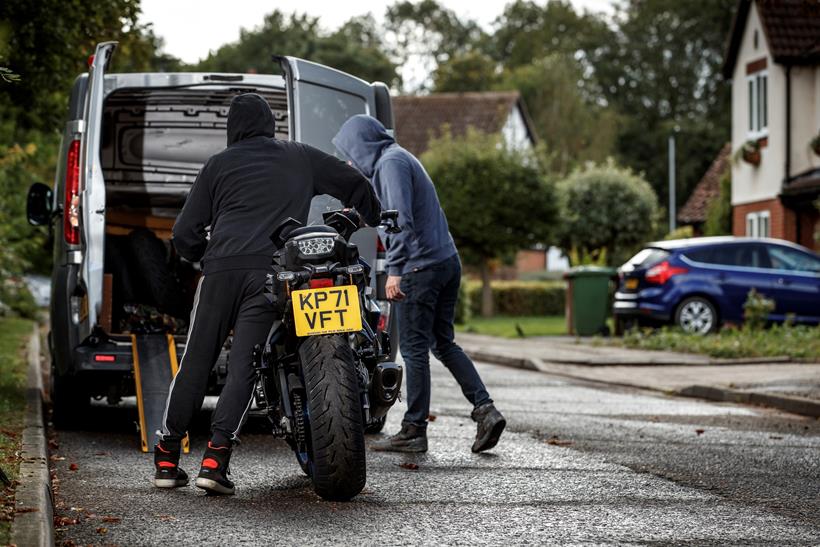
{"points": [[758, 84], [757, 224]]}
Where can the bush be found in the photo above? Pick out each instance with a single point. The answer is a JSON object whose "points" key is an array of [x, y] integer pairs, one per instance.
{"points": [[16, 298], [608, 209], [517, 298], [756, 310]]}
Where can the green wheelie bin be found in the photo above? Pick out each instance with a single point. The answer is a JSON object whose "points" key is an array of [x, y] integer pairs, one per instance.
{"points": [[587, 302]]}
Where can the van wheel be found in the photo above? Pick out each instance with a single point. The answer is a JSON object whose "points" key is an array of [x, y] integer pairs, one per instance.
{"points": [[696, 315], [69, 401]]}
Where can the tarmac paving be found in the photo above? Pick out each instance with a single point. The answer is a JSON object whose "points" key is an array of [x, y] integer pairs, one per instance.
{"points": [[580, 463]]}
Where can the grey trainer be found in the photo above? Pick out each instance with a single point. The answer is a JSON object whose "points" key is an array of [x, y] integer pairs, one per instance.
{"points": [[411, 438], [490, 426]]}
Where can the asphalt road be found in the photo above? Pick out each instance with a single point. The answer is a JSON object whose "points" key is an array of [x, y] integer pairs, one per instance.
{"points": [[579, 464]]}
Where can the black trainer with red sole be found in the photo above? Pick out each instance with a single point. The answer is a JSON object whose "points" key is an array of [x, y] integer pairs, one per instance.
{"points": [[214, 471], [166, 462]]}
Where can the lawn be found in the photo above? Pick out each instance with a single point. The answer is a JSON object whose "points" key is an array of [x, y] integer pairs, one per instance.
{"points": [[14, 334], [797, 342], [516, 327]]}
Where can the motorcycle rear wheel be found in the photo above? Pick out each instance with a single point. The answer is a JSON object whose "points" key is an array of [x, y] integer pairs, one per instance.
{"points": [[335, 427]]}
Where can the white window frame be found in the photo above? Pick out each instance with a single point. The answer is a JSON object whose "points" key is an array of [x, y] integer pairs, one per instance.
{"points": [[757, 113], [758, 224]]}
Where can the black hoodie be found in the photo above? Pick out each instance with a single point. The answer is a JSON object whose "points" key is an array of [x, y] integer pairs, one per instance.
{"points": [[244, 192]]}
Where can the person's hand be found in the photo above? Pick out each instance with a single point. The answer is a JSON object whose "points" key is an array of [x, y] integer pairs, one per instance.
{"points": [[392, 288]]}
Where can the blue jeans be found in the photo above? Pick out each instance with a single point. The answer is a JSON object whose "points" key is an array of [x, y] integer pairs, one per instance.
{"points": [[426, 323]]}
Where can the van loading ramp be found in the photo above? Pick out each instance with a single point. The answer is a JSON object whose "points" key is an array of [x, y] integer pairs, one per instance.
{"points": [[155, 365]]}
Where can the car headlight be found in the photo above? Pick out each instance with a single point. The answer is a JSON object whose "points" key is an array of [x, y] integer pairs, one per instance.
{"points": [[315, 246]]}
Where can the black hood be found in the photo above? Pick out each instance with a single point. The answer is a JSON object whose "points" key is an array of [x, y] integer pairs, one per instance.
{"points": [[249, 116]]}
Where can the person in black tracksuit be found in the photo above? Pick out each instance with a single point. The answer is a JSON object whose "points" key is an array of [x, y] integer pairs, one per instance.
{"points": [[242, 193]]}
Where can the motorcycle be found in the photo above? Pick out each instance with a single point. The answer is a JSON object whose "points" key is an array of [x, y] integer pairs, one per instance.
{"points": [[324, 376]]}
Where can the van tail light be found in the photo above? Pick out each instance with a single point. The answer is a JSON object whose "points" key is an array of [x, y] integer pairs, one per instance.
{"points": [[661, 273], [71, 206], [320, 283]]}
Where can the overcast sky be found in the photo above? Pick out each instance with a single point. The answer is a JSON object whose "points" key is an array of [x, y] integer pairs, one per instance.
{"points": [[192, 28]]}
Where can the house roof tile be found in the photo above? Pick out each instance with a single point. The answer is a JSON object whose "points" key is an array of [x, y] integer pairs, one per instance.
{"points": [[421, 117], [792, 29], [707, 190]]}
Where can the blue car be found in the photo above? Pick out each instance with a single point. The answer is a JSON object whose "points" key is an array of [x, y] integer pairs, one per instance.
{"points": [[700, 283]]}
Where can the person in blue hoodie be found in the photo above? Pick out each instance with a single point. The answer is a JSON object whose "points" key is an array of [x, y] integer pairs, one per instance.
{"points": [[424, 274]]}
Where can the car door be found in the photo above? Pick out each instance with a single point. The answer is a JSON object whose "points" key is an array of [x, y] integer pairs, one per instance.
{"points": [[796, 279], [320, 100], [92, 190], [737, 268]]}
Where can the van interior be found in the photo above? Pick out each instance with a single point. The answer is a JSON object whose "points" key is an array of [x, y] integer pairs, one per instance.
{"points": [[154, 141]]}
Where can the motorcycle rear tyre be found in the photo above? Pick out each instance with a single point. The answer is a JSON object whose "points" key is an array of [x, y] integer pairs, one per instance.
{"points": [[335, 426]]}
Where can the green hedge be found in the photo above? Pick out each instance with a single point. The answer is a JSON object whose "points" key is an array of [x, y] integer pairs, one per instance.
{"points": [[513, 298]]}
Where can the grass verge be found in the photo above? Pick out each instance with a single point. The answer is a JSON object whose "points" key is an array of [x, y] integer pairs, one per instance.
{"points": [[516, 327], [798, 342], [14, 334]]}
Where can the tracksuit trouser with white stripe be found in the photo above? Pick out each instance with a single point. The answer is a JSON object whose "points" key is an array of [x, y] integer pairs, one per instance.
{"points": [[224, 300]]}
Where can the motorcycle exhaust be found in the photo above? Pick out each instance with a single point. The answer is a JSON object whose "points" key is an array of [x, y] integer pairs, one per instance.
{"points": [[384, 388]]}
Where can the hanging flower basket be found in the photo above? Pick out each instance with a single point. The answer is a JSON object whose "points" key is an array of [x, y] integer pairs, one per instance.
{"points": [[815, 144], [749, 152]]}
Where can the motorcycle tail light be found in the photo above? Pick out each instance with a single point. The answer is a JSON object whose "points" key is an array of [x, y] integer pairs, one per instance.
{"points": [[663, 272], [320, 283], [71, 206]]}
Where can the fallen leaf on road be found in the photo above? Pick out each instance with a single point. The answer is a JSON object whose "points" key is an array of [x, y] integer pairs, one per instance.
{"points": [[56, 458], [111, 519], [65, 521], [26, 510], [52, 444], [73, 467], [101, 453], [555, 441], [775, 437], [166, 517], [102, 530], [700, 431], [411, 466], [431, 418]]}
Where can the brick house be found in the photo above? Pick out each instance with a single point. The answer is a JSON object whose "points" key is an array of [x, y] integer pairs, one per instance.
{"points": [[420, 118], [772, 60]]}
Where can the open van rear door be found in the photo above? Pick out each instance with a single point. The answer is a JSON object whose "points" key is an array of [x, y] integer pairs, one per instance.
{"points": [[92, 190], [320, 100]]}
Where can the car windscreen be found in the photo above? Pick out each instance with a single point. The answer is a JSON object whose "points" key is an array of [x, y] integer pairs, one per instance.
{"points": [[645, 258]]}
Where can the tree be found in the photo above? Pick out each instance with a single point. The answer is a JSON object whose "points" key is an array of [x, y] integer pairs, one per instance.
{"points": [[719, 213], [526, 31], [47, 43], [573, 129], [605, 210], [661, 70], [354, 48], [427, 34], [475, 173], [470, 71]]}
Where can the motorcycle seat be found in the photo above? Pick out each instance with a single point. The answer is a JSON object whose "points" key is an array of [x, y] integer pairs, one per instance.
{"points": [[318, 229]]}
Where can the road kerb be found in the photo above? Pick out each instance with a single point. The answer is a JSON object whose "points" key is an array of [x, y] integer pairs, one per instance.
{"points": [[792, 404], [34, 521]]}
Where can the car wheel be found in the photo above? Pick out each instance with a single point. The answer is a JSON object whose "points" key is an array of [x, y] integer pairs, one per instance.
{"points": [[696, 315]]}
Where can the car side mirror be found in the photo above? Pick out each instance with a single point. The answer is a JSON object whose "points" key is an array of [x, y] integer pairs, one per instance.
{"points": [[39, 204]]}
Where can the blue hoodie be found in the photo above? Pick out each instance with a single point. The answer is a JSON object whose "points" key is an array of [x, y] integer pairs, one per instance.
{"points": [[402, 184]]}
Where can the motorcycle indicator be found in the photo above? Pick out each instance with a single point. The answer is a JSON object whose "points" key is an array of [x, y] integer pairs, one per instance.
{"points": [[328, 310]]}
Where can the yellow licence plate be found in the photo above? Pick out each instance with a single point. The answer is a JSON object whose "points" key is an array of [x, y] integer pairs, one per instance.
{"points": [[631, 284], [327, 310]]}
